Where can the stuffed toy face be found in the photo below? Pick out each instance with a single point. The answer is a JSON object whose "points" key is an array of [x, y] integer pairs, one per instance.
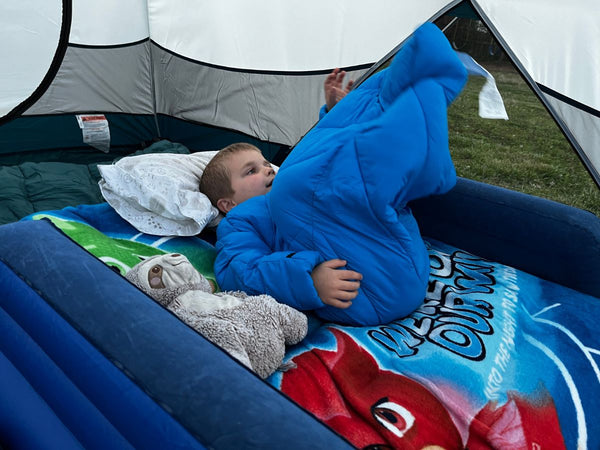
{"points": [[171, 273]]}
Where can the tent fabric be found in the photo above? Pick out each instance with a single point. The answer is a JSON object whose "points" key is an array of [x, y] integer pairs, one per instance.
{"points": [[27, 57], [271, 36], [109, 23], [59, 138], [100, 79], [556, 51], [271, 107], [102, 58], [584, 127], [259, 69]]}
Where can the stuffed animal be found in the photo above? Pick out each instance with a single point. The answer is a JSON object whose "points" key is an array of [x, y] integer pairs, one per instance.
{"points": [[252, 329]]}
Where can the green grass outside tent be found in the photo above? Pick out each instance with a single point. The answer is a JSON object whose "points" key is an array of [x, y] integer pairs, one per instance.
{"points": [[527, 153]]}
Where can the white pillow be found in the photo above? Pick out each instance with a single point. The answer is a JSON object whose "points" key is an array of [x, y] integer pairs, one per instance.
{"points": [[158, 193]]}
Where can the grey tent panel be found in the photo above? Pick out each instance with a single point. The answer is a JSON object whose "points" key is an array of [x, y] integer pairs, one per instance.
{"points": [[272, 107], [94, 79]]}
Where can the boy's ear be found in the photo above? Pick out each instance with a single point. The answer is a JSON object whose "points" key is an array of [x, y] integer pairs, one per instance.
{"points": [[225, 205]]}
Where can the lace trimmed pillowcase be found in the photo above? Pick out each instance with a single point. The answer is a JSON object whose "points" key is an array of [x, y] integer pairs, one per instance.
{"points": [[159, 193]]}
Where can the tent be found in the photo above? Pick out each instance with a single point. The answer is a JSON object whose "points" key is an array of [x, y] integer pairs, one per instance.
{"points": [[140, 65], [83, 83]]}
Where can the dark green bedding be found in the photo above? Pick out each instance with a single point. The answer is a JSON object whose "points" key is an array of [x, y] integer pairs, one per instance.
{"points": [[40, 186]]}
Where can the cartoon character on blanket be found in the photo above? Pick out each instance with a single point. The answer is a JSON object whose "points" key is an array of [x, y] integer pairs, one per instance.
{"points": [[343, 193]]}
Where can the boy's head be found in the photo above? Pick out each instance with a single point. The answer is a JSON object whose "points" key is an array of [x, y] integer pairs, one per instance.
{"points": [[235, 174]]}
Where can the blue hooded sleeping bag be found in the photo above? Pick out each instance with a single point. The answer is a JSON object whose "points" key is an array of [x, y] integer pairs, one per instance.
{"points": [[343, 193]]}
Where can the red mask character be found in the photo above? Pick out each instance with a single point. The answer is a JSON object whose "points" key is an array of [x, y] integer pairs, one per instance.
{"points": [[530, 423], [371, 407]]}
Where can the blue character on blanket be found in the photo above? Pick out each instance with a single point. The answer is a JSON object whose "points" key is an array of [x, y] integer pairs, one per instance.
{"points": [[342, 194]]}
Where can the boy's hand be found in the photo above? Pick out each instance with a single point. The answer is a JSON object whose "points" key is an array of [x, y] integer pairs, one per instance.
{"points": [[336, 287], [334, 90]]}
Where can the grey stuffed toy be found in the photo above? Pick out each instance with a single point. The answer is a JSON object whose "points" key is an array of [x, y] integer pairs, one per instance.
{"points": [[252, 329]]}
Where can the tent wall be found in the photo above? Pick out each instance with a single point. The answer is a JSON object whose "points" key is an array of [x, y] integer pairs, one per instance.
{"points": [[258, 69], [31, 138], [253, 69], [113, 79], [30, 59], [271, 107], [584, 125], [298, 36]]}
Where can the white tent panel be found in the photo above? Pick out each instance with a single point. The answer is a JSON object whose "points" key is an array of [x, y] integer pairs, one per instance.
{"points": [[108, 22], [557, 42], [30, 34], [289, 36]]}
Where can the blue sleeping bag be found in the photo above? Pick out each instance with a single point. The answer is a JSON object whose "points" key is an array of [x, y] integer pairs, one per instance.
{"points": [[343, 193]]}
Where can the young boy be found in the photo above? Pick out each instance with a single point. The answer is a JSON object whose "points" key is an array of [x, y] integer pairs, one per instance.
{"points": [[240, 172], [332, 232]]}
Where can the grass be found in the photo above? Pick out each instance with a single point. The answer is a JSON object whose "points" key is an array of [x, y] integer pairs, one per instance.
{"points": [[527, 153]]}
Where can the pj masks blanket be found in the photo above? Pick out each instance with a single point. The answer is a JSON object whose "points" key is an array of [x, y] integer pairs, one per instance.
{"points": [[494, 359]]}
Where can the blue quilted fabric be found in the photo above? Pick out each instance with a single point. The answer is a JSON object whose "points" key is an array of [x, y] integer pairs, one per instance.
{"points": [[343, 193]]}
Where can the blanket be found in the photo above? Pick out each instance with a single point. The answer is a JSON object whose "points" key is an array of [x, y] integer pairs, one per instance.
{"points": [[67, 178], [103, 233], [494, 357]]}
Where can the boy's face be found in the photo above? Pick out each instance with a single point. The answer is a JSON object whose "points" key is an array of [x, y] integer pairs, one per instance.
{"points": [[251, 175]]}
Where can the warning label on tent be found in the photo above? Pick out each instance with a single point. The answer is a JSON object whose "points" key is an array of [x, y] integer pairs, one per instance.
{"points": [[94, 128]]}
